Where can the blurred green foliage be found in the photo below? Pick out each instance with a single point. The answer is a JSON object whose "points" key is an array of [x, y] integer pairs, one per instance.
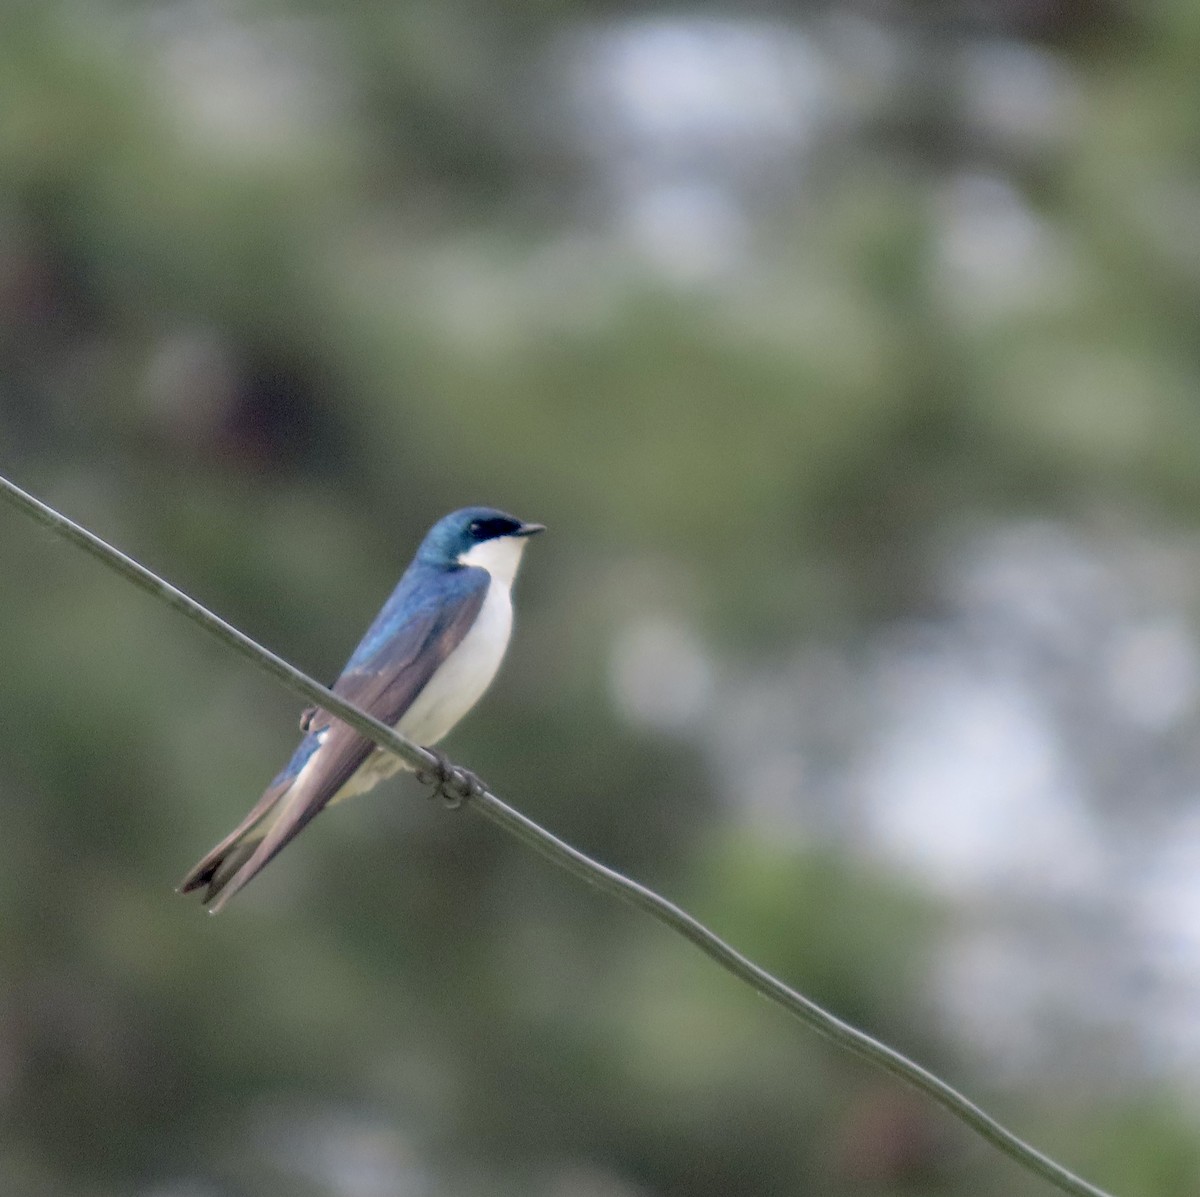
{"points": [[282, 282]]}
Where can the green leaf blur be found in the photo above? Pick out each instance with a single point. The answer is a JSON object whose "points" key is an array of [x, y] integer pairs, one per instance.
{"points": [[849, 353]]}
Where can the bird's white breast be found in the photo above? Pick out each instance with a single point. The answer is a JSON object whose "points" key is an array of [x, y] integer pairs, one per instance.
{"points": [[467, 672]]}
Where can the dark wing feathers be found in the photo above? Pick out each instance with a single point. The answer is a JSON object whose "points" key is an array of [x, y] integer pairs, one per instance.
{"points": [[384, 684], [205, 871]]}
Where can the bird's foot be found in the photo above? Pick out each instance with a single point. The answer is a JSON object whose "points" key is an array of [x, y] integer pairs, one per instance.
{"points": [[453, 784]]}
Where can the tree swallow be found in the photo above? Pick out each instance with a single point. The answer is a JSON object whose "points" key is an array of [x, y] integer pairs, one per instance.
{"points": [[432, 651]]}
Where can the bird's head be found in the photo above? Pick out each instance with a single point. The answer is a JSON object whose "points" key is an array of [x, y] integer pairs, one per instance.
{"points": [[479, 536]]}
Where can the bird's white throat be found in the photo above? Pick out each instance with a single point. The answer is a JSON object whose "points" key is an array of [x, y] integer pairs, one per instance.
{"points": [[500, 556]]}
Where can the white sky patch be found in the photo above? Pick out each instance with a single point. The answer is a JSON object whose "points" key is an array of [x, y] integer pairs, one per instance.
{"points": [[259, 88], [675, 86], [994, 253], [1170, 910], [345, 1152], [990, 989], [686, 120], [660, 674], [1017, 93], [1152, 673], [968, 786], [689, 231]]}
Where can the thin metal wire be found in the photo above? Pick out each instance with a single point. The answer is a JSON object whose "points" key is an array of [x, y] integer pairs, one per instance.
{"points": [[562, 854]]}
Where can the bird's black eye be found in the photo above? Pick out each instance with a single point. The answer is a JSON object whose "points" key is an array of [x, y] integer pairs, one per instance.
{"points": [[488, 529]]}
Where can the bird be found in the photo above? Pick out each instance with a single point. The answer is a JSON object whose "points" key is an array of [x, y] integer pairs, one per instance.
{"points": [[425, 661]]}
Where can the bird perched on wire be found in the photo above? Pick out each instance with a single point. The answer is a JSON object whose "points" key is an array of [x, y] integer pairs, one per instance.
{"points": [[432, 651]]}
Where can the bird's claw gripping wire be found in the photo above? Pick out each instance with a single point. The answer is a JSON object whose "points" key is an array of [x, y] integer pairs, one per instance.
{"points": [[453, 784]]}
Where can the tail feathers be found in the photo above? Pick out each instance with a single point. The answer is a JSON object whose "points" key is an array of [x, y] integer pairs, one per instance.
{"points": [[219, 867]]}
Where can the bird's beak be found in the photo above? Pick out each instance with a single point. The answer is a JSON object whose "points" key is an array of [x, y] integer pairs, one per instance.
{"points": [[529, 529]]}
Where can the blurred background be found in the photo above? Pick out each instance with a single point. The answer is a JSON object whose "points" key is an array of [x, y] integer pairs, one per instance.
{"points": [[851, 351]]}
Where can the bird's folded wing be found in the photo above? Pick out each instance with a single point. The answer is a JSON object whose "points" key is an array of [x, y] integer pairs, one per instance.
{"points": [[384, 686]]}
